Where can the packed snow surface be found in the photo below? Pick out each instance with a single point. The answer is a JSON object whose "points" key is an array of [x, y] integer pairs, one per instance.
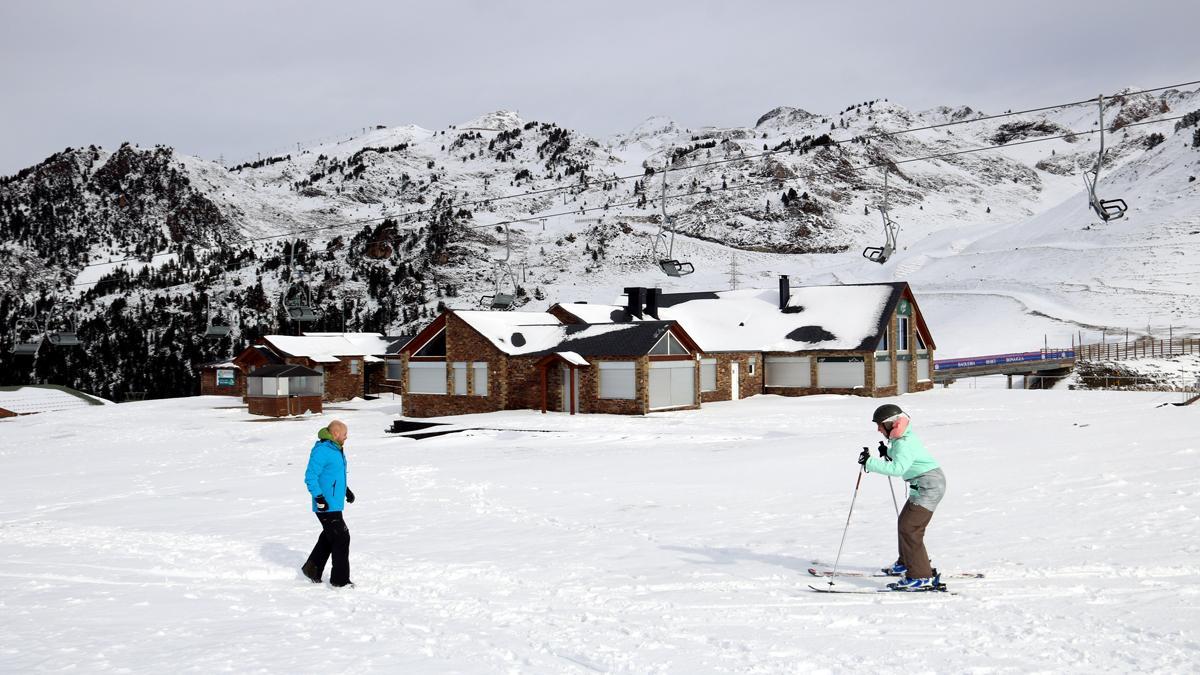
{"points": [[166, 536]]}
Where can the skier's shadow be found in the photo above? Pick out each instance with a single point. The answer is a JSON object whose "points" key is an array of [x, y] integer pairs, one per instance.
{"points": [[732, 556], [281, 555]]}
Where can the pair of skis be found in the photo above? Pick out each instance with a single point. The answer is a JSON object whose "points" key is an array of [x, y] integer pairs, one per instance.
{"points": [[941, 588]]}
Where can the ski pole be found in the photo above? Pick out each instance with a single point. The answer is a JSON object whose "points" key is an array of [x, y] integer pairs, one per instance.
{"points": [[895, 504], [847, 528]]}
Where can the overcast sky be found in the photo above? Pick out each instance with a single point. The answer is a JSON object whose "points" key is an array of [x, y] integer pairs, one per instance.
{"points": [[232, 78]]}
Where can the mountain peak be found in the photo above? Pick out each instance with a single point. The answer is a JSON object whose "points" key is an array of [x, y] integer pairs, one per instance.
{"points": [[784, 116], [501, 120]]}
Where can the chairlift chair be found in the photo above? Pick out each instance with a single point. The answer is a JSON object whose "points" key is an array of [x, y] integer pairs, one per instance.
{"points": [[1106, 209], [297, 301], [65, 335], [298, 307], [217, 328], [27, 337], [668, 263], [881, 254], [500, 299], [674, 268], [216, 331], [64, 338]]}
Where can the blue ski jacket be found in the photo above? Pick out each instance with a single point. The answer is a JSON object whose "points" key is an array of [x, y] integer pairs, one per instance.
{"points": [[326, 473]]}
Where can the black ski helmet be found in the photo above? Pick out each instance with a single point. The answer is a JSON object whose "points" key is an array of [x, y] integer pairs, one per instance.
{"points": [[885, 411]]}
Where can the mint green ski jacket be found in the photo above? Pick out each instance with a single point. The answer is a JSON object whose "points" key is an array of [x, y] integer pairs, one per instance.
{"points": [[909, 458]]}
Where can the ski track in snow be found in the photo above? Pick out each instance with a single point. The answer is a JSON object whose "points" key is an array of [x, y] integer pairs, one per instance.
{"points": [[167, 536]]}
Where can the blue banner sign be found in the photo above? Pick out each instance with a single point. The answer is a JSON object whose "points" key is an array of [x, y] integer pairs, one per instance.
{"points": [[1003, 359]]}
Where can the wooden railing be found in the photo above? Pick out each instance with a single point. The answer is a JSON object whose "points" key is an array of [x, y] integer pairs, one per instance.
{"points": [[1140, 348]]}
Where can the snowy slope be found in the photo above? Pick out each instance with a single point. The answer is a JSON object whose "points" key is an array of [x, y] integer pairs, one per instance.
{"points": [[166, 535]]}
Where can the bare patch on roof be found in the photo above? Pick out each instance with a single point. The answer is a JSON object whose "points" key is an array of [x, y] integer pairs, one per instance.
{"points": [[518, 340], [811, 334]]}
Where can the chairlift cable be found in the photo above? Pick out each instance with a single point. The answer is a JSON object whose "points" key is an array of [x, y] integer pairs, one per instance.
{"points": [[733, 188], [563, 188]]}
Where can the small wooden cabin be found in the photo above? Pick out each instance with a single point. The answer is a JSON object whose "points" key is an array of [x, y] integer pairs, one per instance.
{"points": [[283, 390]]}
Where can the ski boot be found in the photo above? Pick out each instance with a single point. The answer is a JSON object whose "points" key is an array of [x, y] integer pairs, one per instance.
{"points": [[933, 583], [896, 569]]}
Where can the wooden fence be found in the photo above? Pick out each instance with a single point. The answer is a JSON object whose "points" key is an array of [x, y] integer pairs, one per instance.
{"points": [[1137, 349]]}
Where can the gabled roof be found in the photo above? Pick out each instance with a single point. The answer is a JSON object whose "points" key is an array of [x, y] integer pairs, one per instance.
{"points": [[515, 333], [851, 317], [285, 370], [611, 339], [327, 347], [396, 343], [541, 333]]}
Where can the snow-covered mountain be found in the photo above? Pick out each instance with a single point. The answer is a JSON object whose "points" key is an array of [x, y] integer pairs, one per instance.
{"points": [[1000, 245]]}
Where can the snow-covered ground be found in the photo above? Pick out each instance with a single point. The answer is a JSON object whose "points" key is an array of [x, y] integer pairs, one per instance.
{"points": [[166, 536]]}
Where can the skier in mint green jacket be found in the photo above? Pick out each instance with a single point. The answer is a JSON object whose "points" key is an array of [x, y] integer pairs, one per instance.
{"points": [[905, 456]]}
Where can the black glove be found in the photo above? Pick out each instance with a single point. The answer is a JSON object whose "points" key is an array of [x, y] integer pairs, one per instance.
{"points": [[322, 505], [883, 451], [349, 496], [863, 457]]}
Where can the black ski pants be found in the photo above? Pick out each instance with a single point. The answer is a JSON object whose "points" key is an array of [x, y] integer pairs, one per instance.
{"points": [[335, 541]]}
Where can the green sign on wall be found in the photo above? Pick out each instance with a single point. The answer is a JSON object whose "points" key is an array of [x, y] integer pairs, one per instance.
{"points": [[904, 309]]}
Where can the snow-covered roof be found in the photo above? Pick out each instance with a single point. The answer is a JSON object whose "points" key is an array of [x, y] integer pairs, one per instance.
{"points": [[327, 347], [573, 358], [516, 333], [38, 399], [844, 317]]}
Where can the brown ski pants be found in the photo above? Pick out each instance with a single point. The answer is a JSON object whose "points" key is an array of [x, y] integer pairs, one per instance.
{"points": [[911, 531]]}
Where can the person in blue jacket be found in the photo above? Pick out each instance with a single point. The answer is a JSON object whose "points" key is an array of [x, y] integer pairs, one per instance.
{"points": [[325, 479]]}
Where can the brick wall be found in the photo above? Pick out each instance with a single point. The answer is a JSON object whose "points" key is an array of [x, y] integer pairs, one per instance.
{"points": [[463, 344], [208, 383], [748, 385], [284, 406]]}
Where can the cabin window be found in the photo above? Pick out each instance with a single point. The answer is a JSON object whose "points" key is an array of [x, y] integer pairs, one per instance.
{"points": [[902, 334], [395, 369], [435, 347], [353, 366], [753, 364], [883, 343], [479, 384], [838, 372], [668, 346], [617, 380], [920, 343], [427, 377], [708, 374], [788, 371]]}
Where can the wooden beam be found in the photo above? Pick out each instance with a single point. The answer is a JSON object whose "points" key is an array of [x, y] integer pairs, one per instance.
{"points": [[572, 389]]}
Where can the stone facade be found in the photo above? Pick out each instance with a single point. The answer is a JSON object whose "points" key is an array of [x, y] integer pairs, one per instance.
{"points": [[463, 344], [749, 384]]}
